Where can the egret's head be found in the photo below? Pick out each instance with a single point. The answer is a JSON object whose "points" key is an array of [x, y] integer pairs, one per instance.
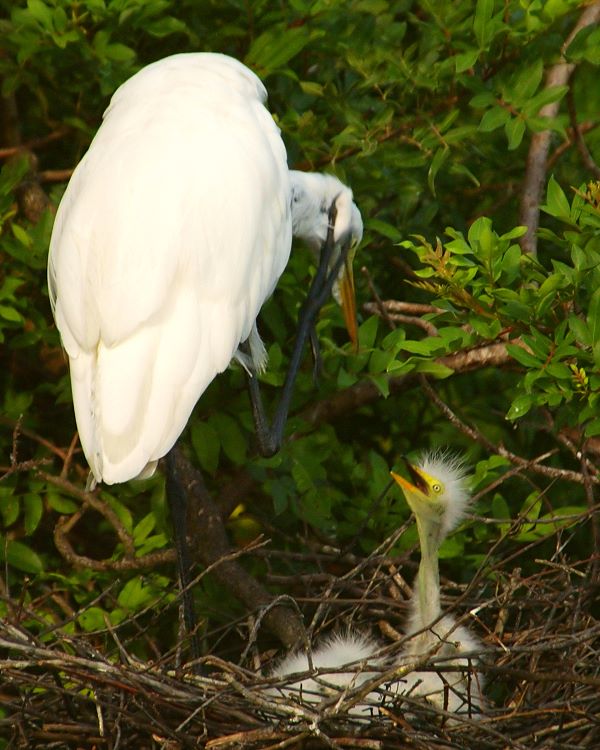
{"points": [[312, 197], [437, 490]]}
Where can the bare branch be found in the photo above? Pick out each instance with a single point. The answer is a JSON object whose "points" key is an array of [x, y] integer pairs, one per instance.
{"points": [[535, 173], [584, 152], [207, 539]]}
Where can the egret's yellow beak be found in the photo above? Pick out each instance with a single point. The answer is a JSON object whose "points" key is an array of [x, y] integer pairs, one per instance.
{"points": [[420, 486], [348, 298]]}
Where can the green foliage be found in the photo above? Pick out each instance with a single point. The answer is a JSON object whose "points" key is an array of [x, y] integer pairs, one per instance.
{"points": [[427, 110]]}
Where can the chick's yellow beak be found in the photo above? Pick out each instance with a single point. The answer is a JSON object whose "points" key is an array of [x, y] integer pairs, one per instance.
{"points": [[419, 485], [405, 485]]}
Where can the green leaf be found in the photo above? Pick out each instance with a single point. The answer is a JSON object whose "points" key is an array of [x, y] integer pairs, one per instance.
{"points": [[522, 356], [425, 347], [33, 508], [465, 60], [513, 234], [10, 314], [519, 407], [165, 26], [312, 88], [61, 504], [20, 556], [230, 436], [122, 511], [556, 202], [593, 318], [592, 428], [441, 155], [382, 383], [384, 229], [206, 444], [500, 507], [21, 235], [143, 528], [527, 81], [494, 118], [580, 330], [134, 595], [92, 619], [482, 25], [41, 12], [119, 52], [436, 369], [368, 332], [273, 48], [515, 130]]}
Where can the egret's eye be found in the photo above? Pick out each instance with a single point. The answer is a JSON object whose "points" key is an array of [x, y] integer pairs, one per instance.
{"points": [[437, 488]]}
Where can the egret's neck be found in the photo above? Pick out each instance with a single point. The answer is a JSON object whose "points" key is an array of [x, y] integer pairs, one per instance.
{"points": [[428, 577]]}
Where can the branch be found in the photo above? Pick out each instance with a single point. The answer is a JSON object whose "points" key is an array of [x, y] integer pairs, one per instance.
{"points": [[90, 500], [479, 437], [207, 540], [34, 143], [535, 172], [365, 391], [584, 153]]}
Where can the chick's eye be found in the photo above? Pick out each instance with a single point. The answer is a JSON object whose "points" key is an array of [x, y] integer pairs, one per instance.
{"points": [[437, 488]]}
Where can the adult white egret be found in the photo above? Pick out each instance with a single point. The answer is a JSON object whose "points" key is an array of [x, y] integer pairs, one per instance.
{"points": [[172, 232], [438, 497]]}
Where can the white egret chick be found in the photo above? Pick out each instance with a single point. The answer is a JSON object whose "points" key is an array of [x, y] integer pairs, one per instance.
{"points": [[438, 497], [172, 232]]}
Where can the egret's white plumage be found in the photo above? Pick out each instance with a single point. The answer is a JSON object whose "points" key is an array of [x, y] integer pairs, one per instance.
{"points": [[439, 499], [173, 230]]}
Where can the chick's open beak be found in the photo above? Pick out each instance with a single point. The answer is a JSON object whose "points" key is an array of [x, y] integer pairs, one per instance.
{"points": [[419, 484], [348, 298]]}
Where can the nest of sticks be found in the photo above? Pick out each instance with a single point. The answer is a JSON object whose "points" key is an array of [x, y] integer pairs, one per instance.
{"points": [[60, 688]]}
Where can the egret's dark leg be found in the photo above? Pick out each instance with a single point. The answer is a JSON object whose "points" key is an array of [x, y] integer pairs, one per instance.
{"points": [[270, 437], [178, 506]]}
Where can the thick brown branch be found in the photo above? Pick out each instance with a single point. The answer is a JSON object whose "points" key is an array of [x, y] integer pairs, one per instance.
{"points": [[535, 173], [207, 539], [365, 392]]}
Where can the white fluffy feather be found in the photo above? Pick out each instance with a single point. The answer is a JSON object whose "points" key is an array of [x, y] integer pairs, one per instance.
{"points": [[342, 661]]}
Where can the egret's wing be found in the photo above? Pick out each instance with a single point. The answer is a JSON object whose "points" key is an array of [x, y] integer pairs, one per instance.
{"points": [[172, 232]]}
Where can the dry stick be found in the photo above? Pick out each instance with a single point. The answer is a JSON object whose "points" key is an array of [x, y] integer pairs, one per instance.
{"points": [[584, 127], [34, 143], [535, 172], [61, 453]]}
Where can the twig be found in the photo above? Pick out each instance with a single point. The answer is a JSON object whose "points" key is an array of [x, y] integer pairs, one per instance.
{"points": [[34, 143], [479, 437], [584, 153]]}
